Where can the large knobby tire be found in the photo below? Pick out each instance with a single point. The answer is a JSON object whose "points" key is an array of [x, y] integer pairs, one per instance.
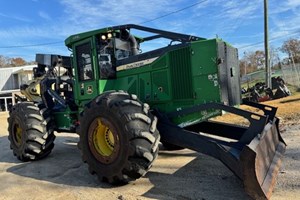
{"points": [[30, 131], [118, 137]]}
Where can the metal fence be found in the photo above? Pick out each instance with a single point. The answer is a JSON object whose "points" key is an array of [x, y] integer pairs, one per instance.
{"points": [[259, 75], [291, 74]]}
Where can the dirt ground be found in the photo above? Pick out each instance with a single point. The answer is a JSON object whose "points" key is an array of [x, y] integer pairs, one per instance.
{"points": [[179, 175]]}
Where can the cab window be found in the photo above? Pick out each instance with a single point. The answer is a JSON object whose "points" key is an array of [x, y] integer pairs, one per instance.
{"points": [[84, 62], [106, 62]]}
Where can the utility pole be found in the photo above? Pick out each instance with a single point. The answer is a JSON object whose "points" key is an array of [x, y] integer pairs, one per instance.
{"points": [[245, 64], [267, 55]]}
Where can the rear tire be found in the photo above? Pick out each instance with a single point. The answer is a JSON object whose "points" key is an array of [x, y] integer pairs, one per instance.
{"points": [[118, 137], [30, 131]]}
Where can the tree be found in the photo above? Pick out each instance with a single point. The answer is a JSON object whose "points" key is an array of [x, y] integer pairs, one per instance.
{"points": [[243, 67], [274, 58], [252, 61], [4, 61], [256, 59], [17, 62], [292, 48], [12, 62]]}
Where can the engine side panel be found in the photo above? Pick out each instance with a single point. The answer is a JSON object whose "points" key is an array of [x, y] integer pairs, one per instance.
{"points": [[183, 77]]}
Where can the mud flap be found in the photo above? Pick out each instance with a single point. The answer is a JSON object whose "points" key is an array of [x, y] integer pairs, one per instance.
{"points": [[261, 160]]}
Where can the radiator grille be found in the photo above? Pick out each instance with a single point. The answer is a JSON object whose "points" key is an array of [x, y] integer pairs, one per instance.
{"points": [[181, 74]]}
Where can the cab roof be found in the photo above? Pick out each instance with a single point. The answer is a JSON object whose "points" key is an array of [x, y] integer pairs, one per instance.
{"points": [[159, 33]]}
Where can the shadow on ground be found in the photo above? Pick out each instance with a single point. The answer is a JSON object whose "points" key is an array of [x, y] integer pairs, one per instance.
{"points": [[208, 178], [202, 178], [62, 166]]}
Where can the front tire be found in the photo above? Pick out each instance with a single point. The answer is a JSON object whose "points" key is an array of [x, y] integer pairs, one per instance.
{"points": [[118, 137], [30, 131]]}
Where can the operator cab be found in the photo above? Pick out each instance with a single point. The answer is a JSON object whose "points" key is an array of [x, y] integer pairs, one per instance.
{"points": [[113, 47]]}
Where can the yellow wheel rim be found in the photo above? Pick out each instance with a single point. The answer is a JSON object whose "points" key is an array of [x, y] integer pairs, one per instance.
{"points": [[18, 134], [104, 141]]}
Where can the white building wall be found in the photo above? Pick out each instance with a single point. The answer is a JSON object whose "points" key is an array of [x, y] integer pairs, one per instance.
{"points": [[10, 80], [6, 80], [12, 77]]}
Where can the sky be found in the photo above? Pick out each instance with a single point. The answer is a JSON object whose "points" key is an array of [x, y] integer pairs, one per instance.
{"points": [[28, 27]]}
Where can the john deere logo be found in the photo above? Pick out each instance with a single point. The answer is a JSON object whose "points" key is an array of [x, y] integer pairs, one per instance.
{"points": [[89, 89]]}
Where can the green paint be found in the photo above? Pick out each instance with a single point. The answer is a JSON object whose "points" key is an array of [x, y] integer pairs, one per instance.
{"points": [[178, 79]]}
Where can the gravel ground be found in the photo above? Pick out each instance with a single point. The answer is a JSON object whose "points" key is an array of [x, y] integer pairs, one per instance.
{"points": [[179, 175]]}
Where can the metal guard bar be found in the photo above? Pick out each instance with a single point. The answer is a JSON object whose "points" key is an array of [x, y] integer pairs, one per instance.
{"points": [[269, 111], [254, 156], [257, 122]]}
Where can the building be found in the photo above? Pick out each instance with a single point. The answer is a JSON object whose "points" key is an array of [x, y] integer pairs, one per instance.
{"points": [[10, 80]]}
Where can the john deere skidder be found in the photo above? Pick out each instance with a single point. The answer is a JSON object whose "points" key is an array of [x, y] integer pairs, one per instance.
{"points": [[123, 102]]}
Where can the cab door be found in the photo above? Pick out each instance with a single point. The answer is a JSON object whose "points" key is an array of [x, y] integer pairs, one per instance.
{"points": [[86, 84]]}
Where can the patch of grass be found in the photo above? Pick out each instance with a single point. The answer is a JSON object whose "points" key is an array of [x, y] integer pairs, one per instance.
{"points": [[288, 111], [294, 90]]}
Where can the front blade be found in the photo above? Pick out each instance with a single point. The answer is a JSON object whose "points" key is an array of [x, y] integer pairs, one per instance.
{"points": [[261, 160]]}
